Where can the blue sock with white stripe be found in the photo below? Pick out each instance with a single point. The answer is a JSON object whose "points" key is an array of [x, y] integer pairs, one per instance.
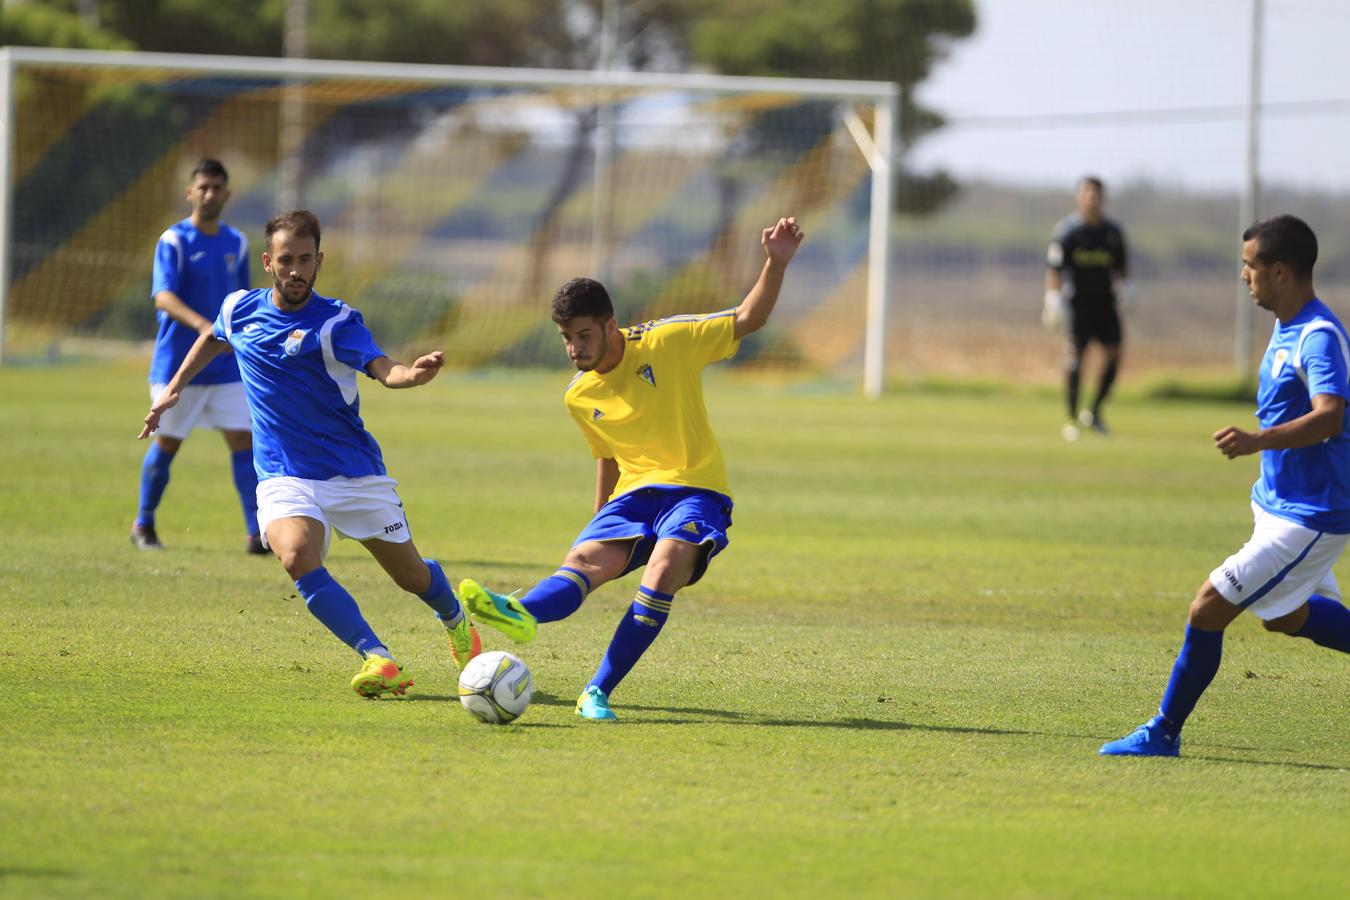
{"points": [[330, 603], [1194, 669], [637, 629], [440, 597], [557, 596], [246, 483], [1328, 624], [154, 479]]}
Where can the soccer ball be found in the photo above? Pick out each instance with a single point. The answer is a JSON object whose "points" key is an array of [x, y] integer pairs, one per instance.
{"points": [[496, 687]]}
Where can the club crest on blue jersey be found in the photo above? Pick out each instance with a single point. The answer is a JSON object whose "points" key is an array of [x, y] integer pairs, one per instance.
{"points": [[292, 345], [596, 415], [645, 373], [1277, 363], [230, 260]]}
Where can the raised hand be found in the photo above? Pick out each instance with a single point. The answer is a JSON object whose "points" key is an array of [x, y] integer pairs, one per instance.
{"points": [[782, 240]]}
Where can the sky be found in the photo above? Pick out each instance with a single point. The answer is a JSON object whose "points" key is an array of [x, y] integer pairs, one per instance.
{"points": [[1046, 90]]}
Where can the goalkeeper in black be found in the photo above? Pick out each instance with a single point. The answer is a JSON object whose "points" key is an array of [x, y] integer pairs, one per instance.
{"points": [[1086, 275]]}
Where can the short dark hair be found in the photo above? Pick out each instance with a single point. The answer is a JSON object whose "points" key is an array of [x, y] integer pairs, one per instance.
{"points": [[1092, 180], [1285, 239], [212, 168], [581, 297], [299, 222]]}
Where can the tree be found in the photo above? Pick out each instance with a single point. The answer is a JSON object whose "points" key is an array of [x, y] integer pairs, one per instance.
{"points": [[41, 26], [884, 40]]}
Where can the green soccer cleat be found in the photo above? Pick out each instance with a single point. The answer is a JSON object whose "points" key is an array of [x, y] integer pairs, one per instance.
{"points": [[381, 676], [501, 611], [593, 704], [464, 641]]}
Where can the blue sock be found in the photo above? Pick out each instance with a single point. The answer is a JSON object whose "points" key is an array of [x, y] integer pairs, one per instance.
{"points": [[637, 629], [440, 597], [246, 483], [154, 479], [1328, 624], [557, 596], [330, 603], [1191, 674]]}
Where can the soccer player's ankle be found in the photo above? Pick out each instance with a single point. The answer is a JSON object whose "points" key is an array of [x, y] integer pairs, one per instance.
{"points": [[378, 650], [453, 620]]}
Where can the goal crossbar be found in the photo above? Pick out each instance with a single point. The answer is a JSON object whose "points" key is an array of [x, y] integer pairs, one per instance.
{"points": [[877, 148]]}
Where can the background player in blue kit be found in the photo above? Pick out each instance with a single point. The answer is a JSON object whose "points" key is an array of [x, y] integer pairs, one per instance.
{"points": [[197, 263], [1301, 501], [1085, 263], [662, 498], [318, 468]]}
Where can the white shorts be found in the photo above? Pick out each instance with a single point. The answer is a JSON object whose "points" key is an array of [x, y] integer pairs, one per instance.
{"points": [[1280, 567], [357, 508], [221, 406]]}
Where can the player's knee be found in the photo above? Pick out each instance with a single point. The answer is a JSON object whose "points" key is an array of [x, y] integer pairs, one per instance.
{"points": [[297, 561], [1209, 611]]}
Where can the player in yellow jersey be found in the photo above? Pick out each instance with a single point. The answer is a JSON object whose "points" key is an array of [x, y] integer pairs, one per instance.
{"points": [[661, 493]]}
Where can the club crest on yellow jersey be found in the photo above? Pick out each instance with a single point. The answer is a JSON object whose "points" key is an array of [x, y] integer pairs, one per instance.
{"points": [[645, 373], [596, 415]]}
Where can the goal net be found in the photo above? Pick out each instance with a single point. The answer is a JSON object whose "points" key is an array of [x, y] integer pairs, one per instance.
{"points": [[453, 201]]}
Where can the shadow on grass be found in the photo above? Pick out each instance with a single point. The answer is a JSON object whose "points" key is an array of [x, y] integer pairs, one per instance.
{"points": [[31, 872], [703, 716], [1321, 767], [514, 565]]}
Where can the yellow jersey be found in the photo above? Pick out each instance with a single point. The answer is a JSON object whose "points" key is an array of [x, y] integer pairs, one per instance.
{"points": [[647, 413]]}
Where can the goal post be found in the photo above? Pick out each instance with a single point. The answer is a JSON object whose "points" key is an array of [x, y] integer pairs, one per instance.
{"points": [[453, 199]]}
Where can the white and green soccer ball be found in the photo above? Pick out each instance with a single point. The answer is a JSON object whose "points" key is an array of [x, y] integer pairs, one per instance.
{"points": [[496, 687]]}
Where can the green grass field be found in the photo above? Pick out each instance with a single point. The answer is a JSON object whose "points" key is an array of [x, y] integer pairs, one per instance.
{"points": [[893, 683]]}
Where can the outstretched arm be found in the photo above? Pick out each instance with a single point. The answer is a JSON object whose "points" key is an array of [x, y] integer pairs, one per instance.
{"points": [[202, 352], [396, 375], [780, 243], [606, 476]]}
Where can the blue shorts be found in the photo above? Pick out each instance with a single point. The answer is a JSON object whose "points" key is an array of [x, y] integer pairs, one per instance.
{"points": [[648, 515]]}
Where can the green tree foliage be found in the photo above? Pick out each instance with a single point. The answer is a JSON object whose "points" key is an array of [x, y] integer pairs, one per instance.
{"points": [[50, 26], [883, 40]]}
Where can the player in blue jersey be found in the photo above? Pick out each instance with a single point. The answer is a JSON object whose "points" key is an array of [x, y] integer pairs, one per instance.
{"points": [[1301, 501], [662, 498], [319, 470], [1086, 277], [197, 262]]}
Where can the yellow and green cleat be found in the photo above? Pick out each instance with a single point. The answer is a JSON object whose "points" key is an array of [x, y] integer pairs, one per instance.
{"points": [[380, 676], [464, 641], [502, 612]]}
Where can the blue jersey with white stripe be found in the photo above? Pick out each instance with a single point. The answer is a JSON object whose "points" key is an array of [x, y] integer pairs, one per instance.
{"points": [[201, 269], [299, 371], [1307, 356]]}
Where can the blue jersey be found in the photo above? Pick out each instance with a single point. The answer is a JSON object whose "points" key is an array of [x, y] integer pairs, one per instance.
{"points": [[299, 370], [201, 269], [1307, 356]]}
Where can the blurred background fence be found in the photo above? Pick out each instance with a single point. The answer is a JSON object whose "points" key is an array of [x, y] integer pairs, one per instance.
{"points": [[451, 211]]}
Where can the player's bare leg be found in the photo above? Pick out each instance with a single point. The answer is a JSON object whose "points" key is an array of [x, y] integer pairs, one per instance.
{"points": [[425, 578], [672, 565], [298, 541]]}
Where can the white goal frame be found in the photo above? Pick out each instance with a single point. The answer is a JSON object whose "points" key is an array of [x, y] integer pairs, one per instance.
{"points": [[877, 147]]}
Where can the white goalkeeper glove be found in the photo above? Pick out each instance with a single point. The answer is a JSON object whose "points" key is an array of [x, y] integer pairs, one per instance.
{"points": [[1125, 294], [1052, 310]]}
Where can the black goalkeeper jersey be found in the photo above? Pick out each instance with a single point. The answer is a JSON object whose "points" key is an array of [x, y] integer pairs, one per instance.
{"points": [[1086, 256]]}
